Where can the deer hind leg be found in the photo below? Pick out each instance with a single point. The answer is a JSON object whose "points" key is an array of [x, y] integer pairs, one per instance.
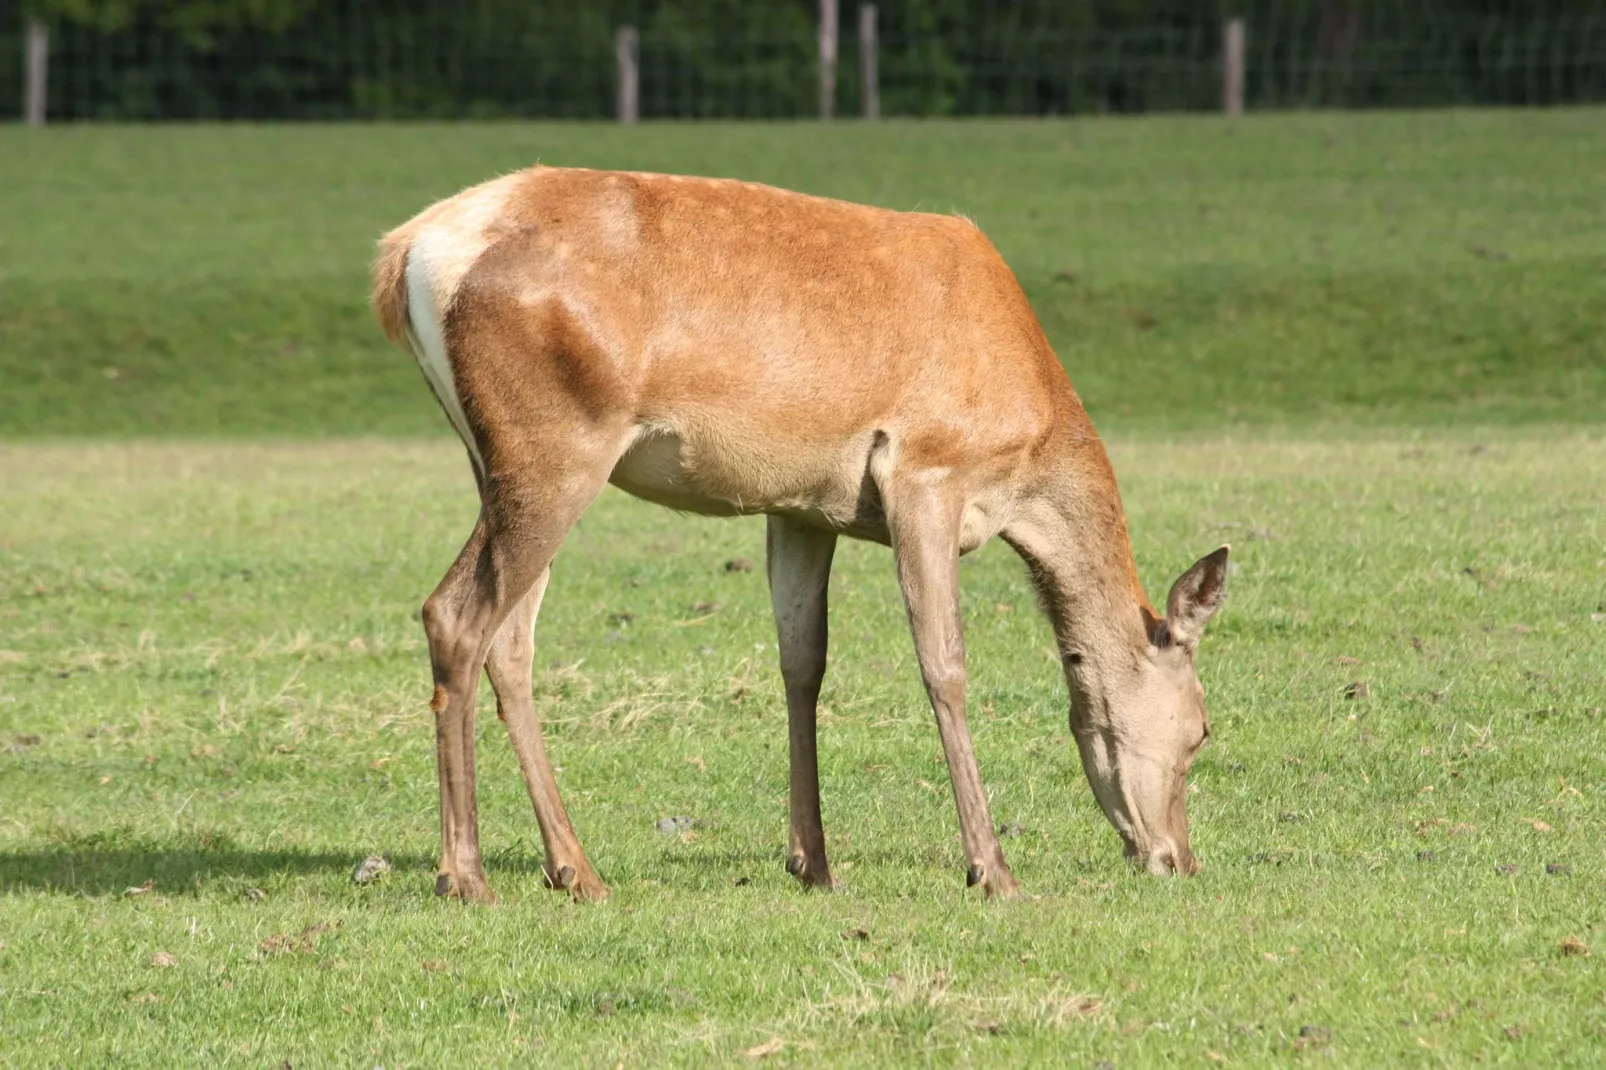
{"points": [[799, 575], [523, 519], [509, 666], [925, 542]]}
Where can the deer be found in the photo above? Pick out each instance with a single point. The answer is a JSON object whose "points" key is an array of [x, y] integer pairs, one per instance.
{"points": [[728, 348]]}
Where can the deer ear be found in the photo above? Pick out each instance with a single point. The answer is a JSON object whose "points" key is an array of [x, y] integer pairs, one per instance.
{"points": [[1195, 597]]}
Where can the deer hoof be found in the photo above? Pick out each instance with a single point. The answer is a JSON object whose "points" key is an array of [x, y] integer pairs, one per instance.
{"points": [[583, 887], [472, 890], [794, 865], [975, 875]]}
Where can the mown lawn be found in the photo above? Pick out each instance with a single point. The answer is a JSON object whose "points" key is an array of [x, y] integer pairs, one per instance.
{"points": [[1363, 349], [217, 650]]}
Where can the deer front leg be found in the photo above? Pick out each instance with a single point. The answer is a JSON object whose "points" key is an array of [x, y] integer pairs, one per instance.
{"points": [[925, 542], [799, 561], [509, 666]]}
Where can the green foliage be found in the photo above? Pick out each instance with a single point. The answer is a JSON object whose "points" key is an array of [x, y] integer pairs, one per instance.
{"points": [[709, 58], [316, 59], [195, 22]]}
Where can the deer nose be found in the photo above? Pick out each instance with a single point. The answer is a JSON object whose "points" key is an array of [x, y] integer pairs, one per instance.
{"points": [[1168, 860]]}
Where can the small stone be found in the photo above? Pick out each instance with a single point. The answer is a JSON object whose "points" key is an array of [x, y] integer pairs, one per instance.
{"points": [[1356, 689], [671, 826], [1290, 818], [163, 959], [1319, 1033], [1557, 869], [738, 564], [371, 869], [1013, 828], [256, 895]]}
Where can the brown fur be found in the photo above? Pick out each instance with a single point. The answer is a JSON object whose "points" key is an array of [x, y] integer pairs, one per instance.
{"points": [[389, 293], [727, 348]]}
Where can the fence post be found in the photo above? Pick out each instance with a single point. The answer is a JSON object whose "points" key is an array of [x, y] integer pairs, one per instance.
{"points": [[828, 39], [626, 50], [35, 70], [1232, 66], [869, 78]]}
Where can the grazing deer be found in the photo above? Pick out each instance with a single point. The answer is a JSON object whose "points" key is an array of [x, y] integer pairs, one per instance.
{"points": [[728, 348]]}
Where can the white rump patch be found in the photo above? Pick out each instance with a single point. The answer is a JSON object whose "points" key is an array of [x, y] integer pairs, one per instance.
{"points": [[451, 238], [427, 339]]}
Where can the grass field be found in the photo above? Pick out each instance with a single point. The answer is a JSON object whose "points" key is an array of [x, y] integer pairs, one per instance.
{"points": [[1365, 350]]}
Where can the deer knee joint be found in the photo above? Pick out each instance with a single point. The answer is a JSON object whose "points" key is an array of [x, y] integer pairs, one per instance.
{"points": [[947, 686]]}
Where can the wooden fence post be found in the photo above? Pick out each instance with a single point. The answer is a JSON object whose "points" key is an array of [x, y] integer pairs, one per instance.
{"points": [[828, 39], [36, 68], [869, 77], [1232, 66], [626, 50]]}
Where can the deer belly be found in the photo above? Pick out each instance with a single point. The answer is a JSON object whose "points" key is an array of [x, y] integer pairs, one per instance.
{"points": [[654, 469], [823, 487]]}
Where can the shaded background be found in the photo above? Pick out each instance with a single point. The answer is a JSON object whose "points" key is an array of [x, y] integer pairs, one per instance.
{"points": [[352, 59]]}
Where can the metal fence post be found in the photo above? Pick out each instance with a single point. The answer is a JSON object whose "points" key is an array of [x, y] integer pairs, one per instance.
{"points": [[828, 39], [626, 49], [36, 68], [1232, 66], [869, 77]]}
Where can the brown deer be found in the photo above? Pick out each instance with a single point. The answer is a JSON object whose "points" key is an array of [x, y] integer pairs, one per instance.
{"points": [[728, 348]]}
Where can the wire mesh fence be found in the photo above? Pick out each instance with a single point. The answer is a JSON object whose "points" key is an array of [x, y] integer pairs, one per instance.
{"points": [[349, 59]]}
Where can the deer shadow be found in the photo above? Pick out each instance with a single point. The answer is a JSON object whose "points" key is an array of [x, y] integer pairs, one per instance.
{"points": [[101, 864]]}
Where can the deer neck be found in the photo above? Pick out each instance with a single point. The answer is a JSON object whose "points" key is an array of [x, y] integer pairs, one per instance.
{"points": [[1073, 537]]}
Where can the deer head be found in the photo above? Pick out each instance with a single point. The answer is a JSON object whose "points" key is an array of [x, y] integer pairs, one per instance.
{"points": [[1138, 716]]}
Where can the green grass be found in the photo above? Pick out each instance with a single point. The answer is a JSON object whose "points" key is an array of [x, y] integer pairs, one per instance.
{"points": [[1364, 349], [1366, 269], [218, 649]]}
